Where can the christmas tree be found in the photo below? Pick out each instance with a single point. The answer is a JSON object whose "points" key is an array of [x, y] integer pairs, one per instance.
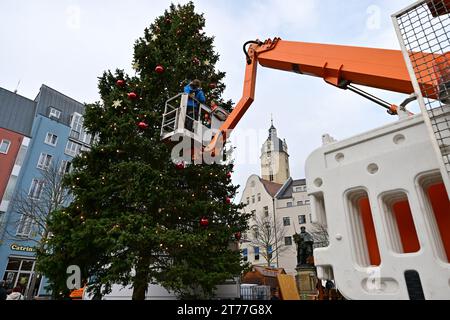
{"points": [[138, 217]]}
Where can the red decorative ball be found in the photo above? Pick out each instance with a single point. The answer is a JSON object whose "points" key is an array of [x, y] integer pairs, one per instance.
{"points": [[228, 200], [180, 166], [120, 83], [238, 236], [213, 85], [204, 222], [196, 61], [229, 175], [132, 96], [142, 125], [159, 69]]}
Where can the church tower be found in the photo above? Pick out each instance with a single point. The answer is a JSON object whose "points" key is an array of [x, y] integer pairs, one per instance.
{"points": [[275, 158]]}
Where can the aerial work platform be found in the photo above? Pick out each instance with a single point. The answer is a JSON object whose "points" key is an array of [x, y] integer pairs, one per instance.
{"points": [[179, 122]]}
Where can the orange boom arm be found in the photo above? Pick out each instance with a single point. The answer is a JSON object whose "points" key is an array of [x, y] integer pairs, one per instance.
{"points": [[337, 65]]}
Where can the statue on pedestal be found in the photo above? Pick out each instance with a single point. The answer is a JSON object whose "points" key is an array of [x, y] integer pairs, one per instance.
{"points": [[305, 243]]}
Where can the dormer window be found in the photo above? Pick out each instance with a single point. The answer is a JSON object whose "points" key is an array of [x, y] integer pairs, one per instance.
{"points": [[54, 113]]}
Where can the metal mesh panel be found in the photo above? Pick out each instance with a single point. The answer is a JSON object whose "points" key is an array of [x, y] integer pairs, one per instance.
{"points": [[425, 28]]}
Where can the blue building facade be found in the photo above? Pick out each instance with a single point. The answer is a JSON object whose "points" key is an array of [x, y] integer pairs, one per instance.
{"points": [[57, 136]]}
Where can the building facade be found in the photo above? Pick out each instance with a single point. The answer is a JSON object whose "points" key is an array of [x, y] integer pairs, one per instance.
{"points": [[279, 199], [259, 198], [55, 137]]}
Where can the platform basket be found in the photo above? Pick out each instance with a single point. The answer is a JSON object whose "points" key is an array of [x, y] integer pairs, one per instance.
{"points": [[425, 27]]}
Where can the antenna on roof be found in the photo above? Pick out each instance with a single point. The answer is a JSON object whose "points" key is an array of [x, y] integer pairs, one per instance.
{"points": [[17, 87]]}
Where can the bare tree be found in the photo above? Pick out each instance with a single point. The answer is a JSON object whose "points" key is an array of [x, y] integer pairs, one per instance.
{"points": [[34, 206], [33, 209], [319, 232], [269, 236]]}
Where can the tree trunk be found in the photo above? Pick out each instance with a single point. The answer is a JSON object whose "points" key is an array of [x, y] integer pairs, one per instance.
{"points": [[141, 279]]}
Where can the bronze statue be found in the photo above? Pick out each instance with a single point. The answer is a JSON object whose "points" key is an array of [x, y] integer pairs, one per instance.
{"points": [[305, 243]]}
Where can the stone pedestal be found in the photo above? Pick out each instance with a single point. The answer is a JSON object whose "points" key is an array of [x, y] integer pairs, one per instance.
{"points": [[306, 281]]}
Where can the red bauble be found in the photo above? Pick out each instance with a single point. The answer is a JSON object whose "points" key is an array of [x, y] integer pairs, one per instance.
{"points": [[196, 61], [120, 83], [180, 166], [142, 125], [229, 174], [213, 85], [228, 200], [204, 222], [159, 69], [238, 236], [132, 96]]}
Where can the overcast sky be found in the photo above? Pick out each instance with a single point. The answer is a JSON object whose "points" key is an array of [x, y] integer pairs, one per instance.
{"points": [[67, 44]]}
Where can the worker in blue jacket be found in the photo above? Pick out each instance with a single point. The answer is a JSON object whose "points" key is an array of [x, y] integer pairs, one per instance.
{"points": [[194, 91]]}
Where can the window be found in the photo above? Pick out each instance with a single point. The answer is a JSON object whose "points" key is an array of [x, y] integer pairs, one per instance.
{"points": [[65, 167], [54, 113], [253, 213], [256, 253], [19, 273], [248, 200], [259, 197], [271, 177], [35, 189], [269, 252], [72, 148], [289, 204], [25, 224], [266, 211], [255, 232], [288, 241], [4, 146], [77, 122], [302, 219], [45, 160], [299, 203], [245, 254], [307, 202], [51, 139], [253, 199], [286, 221]]}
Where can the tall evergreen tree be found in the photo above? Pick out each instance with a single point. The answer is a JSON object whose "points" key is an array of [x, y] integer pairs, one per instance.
{"points": [[138, 217]]}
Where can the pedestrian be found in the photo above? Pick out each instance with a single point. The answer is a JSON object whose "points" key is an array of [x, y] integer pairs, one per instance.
{"points": [[16, 294], [196, 96], [3, 293]]}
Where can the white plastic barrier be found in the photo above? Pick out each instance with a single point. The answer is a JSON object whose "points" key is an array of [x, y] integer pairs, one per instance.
{"points": [[382, 197]]}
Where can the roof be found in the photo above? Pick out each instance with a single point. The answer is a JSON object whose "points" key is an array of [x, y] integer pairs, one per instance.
{"points": [[16, 112], [271, 187], [49, 97], [269, 272], [286, 191]]}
